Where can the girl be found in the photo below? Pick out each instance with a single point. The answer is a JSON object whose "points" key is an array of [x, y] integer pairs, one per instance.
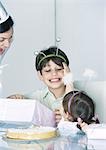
{"points": [[79, 108]]}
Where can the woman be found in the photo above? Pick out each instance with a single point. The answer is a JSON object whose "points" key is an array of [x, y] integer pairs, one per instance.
{"points": [[6, 31]]}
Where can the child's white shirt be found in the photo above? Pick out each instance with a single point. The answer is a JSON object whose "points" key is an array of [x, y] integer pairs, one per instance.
{"points": [[67, 128]]}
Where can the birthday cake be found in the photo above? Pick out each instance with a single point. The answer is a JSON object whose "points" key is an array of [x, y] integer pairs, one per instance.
{"points": [[31, 133]]}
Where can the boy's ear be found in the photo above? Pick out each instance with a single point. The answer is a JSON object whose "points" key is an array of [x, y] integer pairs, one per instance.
{"points": [[39, 75]]}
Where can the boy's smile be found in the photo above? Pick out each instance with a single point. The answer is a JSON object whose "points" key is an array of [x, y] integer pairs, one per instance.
{"points": [[52, 75]]}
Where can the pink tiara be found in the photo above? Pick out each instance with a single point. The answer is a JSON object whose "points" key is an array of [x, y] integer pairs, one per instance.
{"points": [[71, 98]]}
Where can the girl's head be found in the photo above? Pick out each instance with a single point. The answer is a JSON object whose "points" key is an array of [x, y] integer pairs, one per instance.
{"points": [[79, 105], [52, 53]]}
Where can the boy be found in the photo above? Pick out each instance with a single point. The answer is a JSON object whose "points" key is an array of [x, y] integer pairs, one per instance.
{"points": [[52, 67]]}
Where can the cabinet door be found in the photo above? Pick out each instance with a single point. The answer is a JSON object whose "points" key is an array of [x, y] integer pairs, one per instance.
{"points": [[33, 31], [81, 26]]}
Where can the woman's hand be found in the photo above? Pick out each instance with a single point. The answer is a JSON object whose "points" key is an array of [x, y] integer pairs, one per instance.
{"points": [[17, 96]]}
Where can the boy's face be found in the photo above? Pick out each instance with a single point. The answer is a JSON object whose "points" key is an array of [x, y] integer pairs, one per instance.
{"points": [[52, 75]]}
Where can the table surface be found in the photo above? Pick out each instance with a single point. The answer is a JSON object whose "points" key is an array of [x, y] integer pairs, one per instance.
{"points": [[78, 142]]}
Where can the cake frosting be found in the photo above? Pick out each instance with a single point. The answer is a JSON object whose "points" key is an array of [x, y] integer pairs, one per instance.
{"points": [[31, 133]]}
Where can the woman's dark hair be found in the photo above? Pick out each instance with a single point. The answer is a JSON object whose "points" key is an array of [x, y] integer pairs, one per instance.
{"points": [[79, 105], [52, 53], [5, 26]]}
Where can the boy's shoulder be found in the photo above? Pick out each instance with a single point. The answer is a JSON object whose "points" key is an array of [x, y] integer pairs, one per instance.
{"points": [[37, 93]]}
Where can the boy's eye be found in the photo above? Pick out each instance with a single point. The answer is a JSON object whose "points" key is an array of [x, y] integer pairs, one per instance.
{"points": [[47, 70], [59, 69], [1, 39], [56, 69]]}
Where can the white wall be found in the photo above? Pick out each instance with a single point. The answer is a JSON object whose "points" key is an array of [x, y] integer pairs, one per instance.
{"points": [[96, 90], [79, 23], [34, 30]]}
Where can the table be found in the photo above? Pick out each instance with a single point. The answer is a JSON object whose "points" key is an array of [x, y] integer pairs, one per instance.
{"points": [[78, 142]]}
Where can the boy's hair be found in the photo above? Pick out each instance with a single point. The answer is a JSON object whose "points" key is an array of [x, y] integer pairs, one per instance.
{"points": [[52, 53], [79, 105]]}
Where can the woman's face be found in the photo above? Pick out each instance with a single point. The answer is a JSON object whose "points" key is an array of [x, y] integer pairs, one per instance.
{"points": [[5, 40]]}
